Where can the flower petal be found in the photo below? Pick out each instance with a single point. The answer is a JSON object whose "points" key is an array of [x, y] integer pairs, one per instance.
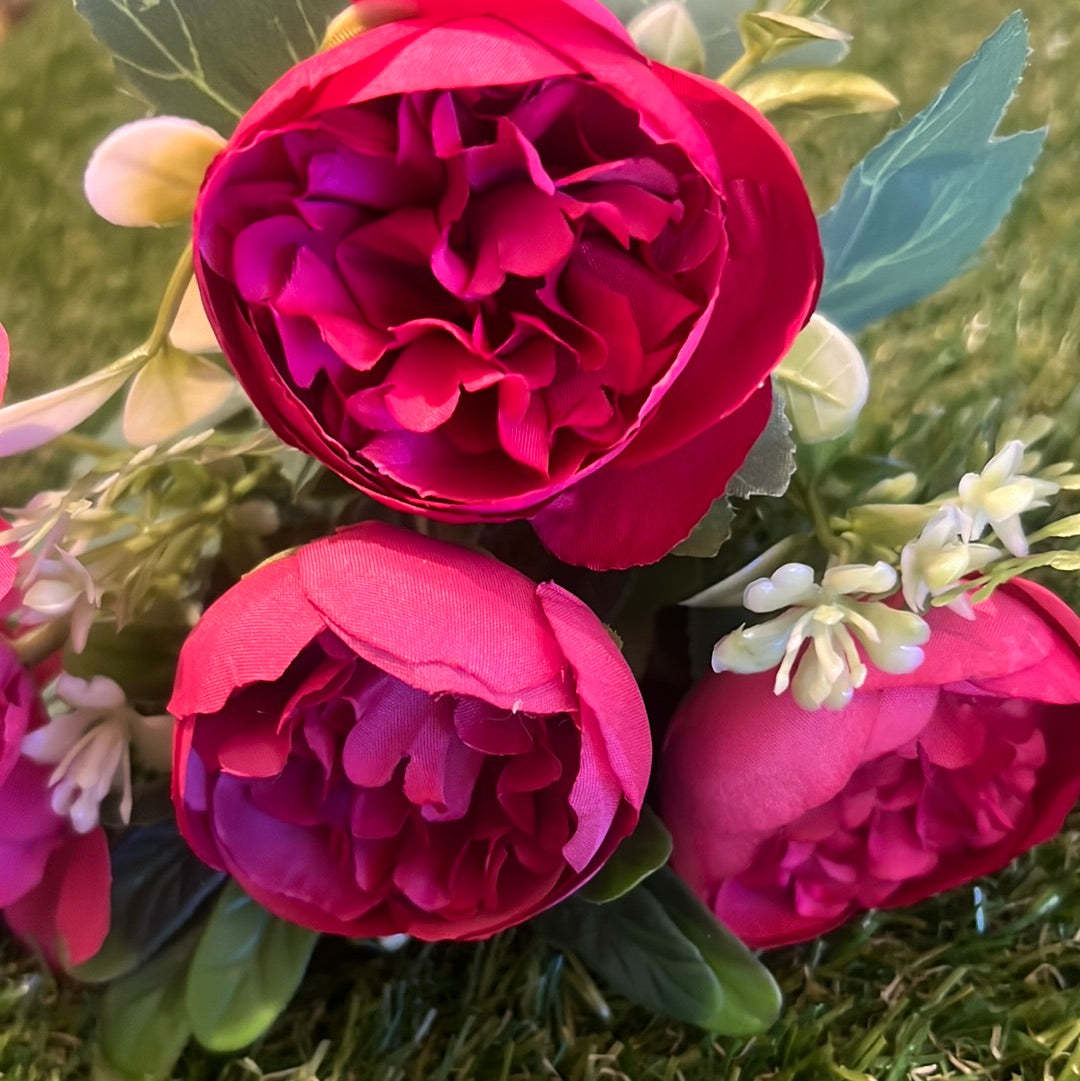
{"points": [[148, 172]]}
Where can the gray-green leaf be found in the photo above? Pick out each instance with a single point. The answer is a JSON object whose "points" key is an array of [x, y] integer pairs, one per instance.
{"points": [[207, 59], [923, 202], [771, 462]]}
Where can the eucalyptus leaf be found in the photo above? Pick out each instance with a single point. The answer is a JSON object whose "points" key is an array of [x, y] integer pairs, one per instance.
{"points": [[771, 462], [816, 91], [246, 967], [157, 887], [207, 60], [646, 850], [913, 213], [709, 535], [676, 961], [142, 1022], [823, 381]]}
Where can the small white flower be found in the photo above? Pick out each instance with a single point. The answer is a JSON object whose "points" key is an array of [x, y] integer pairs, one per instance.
{"points": [[90, 745], [940, 558], [58, 586], [827, 618], [999, 495]]}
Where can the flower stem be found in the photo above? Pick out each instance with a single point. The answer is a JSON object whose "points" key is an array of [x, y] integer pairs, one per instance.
{"points": [[170, 303], [828, 540], [42, 642]]}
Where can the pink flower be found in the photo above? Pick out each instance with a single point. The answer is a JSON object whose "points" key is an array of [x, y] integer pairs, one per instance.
{"points": [[789, 822], [54, 882], [5, 359], [488, 262], [383, 733]]}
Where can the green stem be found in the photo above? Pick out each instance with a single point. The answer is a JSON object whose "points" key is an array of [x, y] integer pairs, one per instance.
{"points": [[84, 444], [740, 69], [170, 303], [828, 540]]}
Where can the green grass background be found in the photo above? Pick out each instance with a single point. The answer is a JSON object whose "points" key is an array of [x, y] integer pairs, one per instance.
{"points": [[927, 993]]}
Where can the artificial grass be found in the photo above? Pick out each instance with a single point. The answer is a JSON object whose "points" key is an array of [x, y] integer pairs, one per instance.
{"points": [[971, 984]]}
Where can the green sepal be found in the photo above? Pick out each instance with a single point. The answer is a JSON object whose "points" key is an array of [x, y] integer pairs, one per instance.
{"points": [[158, 885], [246, 967], [142, 1022], [660, 947], [645, 851]]}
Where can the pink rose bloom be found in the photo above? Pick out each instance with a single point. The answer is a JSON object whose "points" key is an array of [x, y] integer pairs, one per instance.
{"points": [[54, 882], [383, 733], [488, 262], [787, 822]]}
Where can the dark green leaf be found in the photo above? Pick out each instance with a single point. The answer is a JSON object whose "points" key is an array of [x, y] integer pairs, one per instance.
{"points": [[771, 461], [646, 850], [142, 1027], [920, 205], [207, 59], [246, 967], [751, 997], [659, 947], [157, 887]]}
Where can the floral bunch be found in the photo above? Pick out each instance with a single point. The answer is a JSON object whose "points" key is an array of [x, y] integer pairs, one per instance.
{"points": [[492, 342]]}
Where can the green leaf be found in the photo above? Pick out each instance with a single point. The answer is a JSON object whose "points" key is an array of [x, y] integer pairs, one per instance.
{"points": [[921, 204], [1063, 527], [771, 462], [709, 535], [246, 967], [816, 91], [207, 59], [142, 1022], [172, 394], [661, 948], [770, 33], [823, 380], [157, 887], [646, 850]]}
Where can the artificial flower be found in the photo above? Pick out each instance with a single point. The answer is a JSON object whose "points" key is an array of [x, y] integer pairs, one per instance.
{"points": [[382, 733], [998, 495], [826, 618], [788, 822], [54, 880], [488, 262]]}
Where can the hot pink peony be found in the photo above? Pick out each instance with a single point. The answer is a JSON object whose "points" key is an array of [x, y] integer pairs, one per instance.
{"points": [[384, 733], [788, 822], [488, 262]]}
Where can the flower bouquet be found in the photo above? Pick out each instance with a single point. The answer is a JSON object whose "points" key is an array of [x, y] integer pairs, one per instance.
{"points": [[487, 532]]}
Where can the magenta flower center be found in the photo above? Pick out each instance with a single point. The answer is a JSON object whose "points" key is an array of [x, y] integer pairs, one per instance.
{"points": [[398, 806], [474, 290]]}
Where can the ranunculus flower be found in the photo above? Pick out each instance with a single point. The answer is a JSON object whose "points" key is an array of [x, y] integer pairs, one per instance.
{"points": [[54, 882], [488, 262], [788, 822], [383, 733]]}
